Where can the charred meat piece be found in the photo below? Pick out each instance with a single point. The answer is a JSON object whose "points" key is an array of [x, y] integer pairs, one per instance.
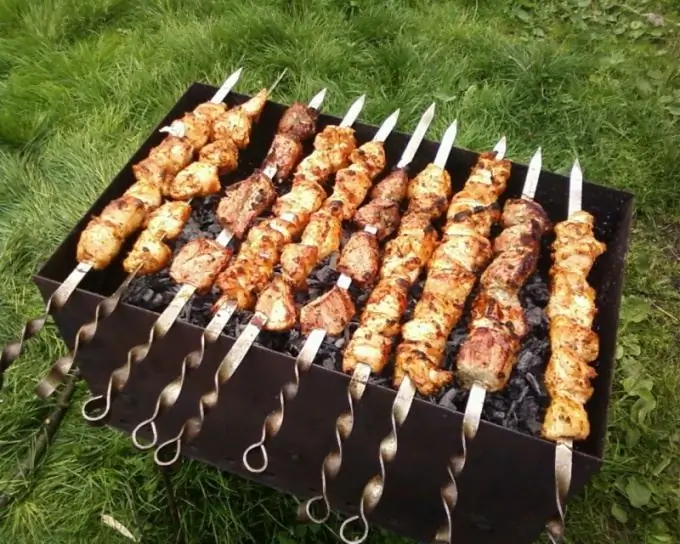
{"points": [[99, 244], [338, 143], [172, 154], [386, 306], [126, 214], [406, 255], [148, 194], [351, 187], [194, 128], [426, 378], [367, 347], [284, 153], [370, 157], [234, 125], [303, 199], [197, 179], [565, 418], [199, 262], [392, 188], [221, 153], [298, 122], [210, 111], [244, 201], [277, 303], [149, 255], [148, 171], [360, 258], [167, 222], [253, 106], [331, 312], [315, 167], [430, 191], [379, 213]]}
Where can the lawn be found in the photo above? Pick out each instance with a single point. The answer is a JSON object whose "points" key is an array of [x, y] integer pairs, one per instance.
{"points": [[82, 82]]}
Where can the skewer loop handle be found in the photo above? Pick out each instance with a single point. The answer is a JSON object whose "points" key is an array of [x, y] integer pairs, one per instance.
{"points": [[263, 451], [154, 433], [164, 456], [359, 519], [563, 469]]}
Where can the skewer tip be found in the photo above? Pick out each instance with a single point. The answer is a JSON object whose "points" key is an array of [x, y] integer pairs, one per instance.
{"points": [[501, 147], [576, 167], [315, 103], [277, 81]]}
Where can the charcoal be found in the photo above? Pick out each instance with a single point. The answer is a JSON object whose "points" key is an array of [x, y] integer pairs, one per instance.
{"points": [[519, 406]]}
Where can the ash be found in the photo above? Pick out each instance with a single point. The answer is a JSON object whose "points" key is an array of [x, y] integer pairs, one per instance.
{"points": [[519, 406]]}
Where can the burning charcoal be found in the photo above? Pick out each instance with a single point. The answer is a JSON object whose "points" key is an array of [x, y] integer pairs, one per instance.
{"points": [[340, 342], [148, 296], [535, 316], [324, 274], [527, 361], [328, 363], [536, 386], [448, 399]]}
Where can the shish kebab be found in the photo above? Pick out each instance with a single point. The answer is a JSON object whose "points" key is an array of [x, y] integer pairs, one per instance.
{"points": [[118, 221], [359, 262], [151, 253], [434, 312], [498, 323], [195, 267], [244, 294], [296, 125], [571, 311]]}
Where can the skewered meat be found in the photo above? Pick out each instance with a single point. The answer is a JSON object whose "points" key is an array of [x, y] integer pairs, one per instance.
{"points": [[571, 311], [253, 106], [284, 153], [210, 111], [99, 243], [149, 254], [391, 188], [304, 198], [331, 312], [234, 125], [380, 213], [126, 214], [199, 262], [314, 167], [298, 121], [167, 222], [148, 194], [244, 201], [222, 153], [370, 157], [360, 258], [173, 153], [452, 270], [195, 128], [197, 179], [276, 302], [430, 191], [338, 143], [148, 171], [351, 187]]}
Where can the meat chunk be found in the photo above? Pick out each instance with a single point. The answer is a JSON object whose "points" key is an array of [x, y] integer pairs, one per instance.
{"points": [[234, 125], [369, 348], [194, 128], [126, 214], [486, 357], [380, 213], [392, 188], [210, 111], [167, 222], [284, 153], [426, 378], [360, 258], [253, 106], [370, 157], [244, 201], [429, 191], [148, 171], [331, 312], [148, 256], [172, 154], [385, 307], [197, 179], [148, 194], [303, 199], [350, 189], [221, 153], [298, 122], [338, 143], [315, 167], [565, 419], [99, 244], [277, 303], [199, 262]]}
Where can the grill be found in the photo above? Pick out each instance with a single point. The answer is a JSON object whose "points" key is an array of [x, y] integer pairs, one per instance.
{"points": [[507, 489]]}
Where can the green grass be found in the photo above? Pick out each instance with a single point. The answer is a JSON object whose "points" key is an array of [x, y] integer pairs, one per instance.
{"points": [[82, 83]]}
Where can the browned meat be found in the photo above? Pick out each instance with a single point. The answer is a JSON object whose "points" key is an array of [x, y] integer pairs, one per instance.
{"points": [[221, 153], [149, 255], [197, 179], [148, 171], [99, 244], [253, 106], [126, 214], [284, 153], [391, 188], [338, 143], [277, 303], [350, 189], [380, 213], [315, 167], [367, 347], [210, 111], [360, 258], [430, 191], [298, 122], [244, 201], [234, 125], [199, 262], [195, 128], [303, 199], [148, 194], [332, 311], [370, 157], [167, 222], [172, 154]]}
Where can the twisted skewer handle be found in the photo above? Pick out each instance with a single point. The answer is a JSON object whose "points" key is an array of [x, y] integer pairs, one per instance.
{"points": [[97, 407], [373, 490], [63, 365], [563, 464], [171, 392], [468, 432], [164, 455], [330, 468], [57, 300], [274, 421]]}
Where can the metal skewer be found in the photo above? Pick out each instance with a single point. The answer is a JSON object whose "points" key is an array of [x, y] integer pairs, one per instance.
{"points": [[564, 449], [170, 393], [274, 421], [374, 488], [475, 404], [97, 407], [63, 293], [229, 364]]}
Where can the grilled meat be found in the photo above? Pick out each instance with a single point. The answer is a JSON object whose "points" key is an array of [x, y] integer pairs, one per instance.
{"points": [[392, 187], [126, 214], [331, 312], [210, 111], [304, 198], [148, 194], [148, 171], [382, 211], [360, 258], [149, 255], [276, 302], [173, 154], [167, 222], [99, 243], [199, 262], [351, 187], [197, 129], [197, 179], [233, 125], [284, 153], [571, 311], [222, 153], [298, 122], [430, 191], [338, 143], [244, 201]]}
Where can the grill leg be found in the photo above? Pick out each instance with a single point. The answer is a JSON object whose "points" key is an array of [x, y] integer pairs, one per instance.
{"points": [[166, 476]]}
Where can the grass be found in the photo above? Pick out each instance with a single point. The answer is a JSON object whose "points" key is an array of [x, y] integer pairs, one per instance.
{"points": [[82, 83]]}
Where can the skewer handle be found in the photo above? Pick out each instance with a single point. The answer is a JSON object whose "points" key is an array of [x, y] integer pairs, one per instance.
{"points": [[12, 351], [563, 469], [344, 425]]}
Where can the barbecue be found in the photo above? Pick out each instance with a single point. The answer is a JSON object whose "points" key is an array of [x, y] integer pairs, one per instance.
{"points": [[104, 236], [571, 311], [198, 262], [297, 125], [421, 351], [498, 324], [359, 261]]}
